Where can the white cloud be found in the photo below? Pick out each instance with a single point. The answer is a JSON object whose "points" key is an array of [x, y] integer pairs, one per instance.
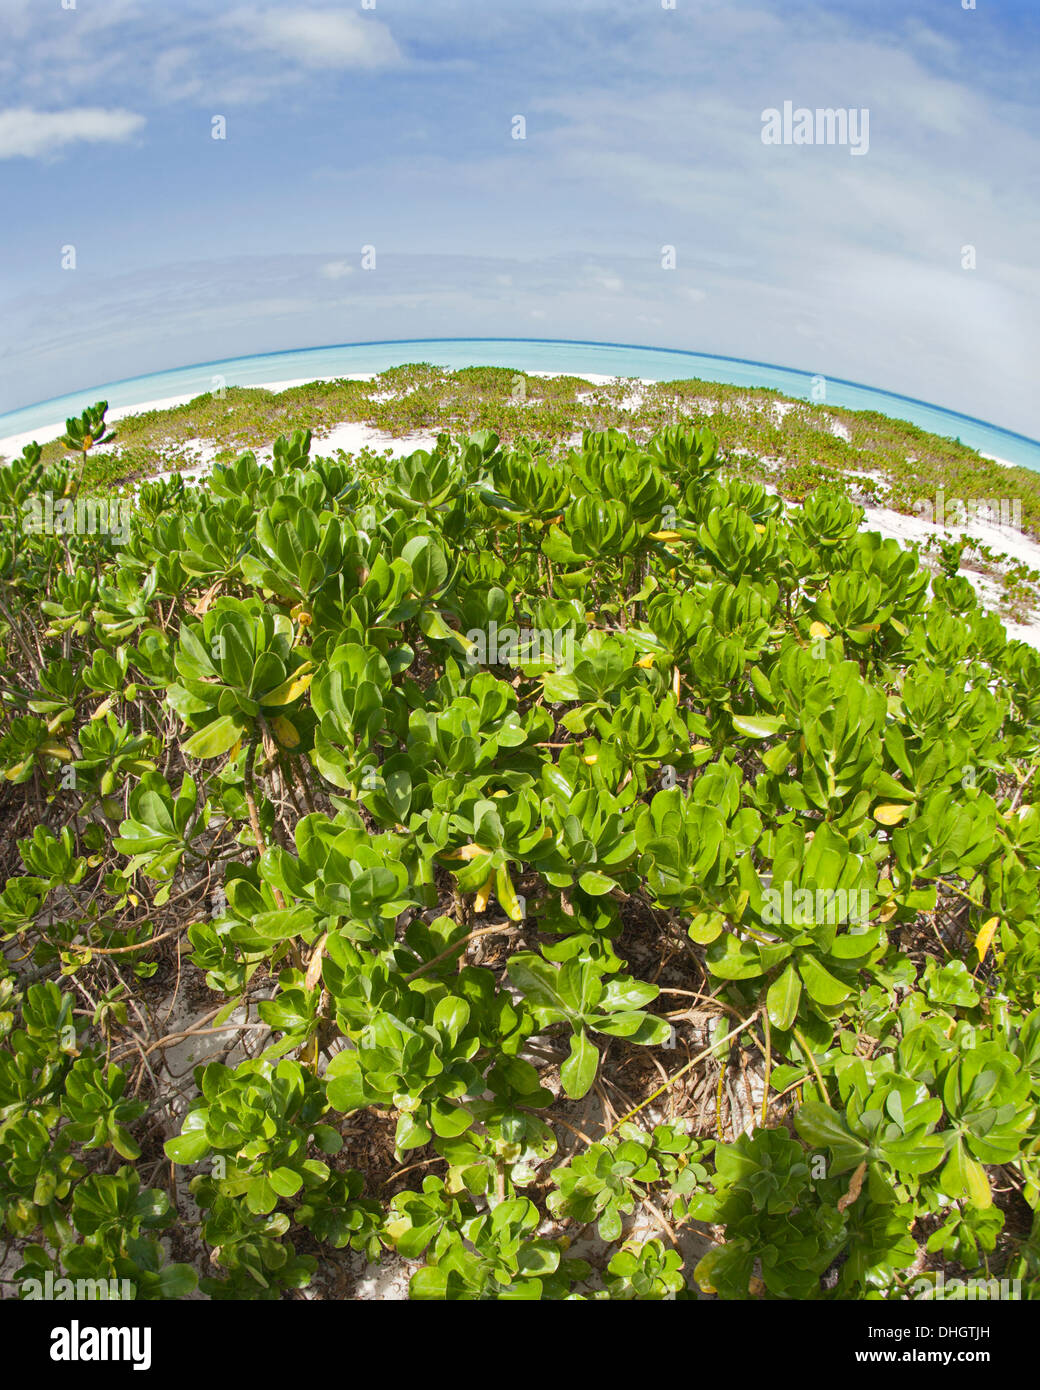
{"points": [[336, 270], [29, 133], [174, 75], [605, 280], [321, 38]]}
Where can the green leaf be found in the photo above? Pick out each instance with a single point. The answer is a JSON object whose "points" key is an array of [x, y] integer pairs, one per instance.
{"points": [[329, 1140], [449, 1121], [822, 1127], [579, 1071], [429, 1284], [782, 999], [777, 758], [964, 1175], [215, 738], [176, 1281], [820, 983], [285, 1181], [188, 1148], [595, 884], [411, 1133], [539, 981], [757, 726], [732, 959]]}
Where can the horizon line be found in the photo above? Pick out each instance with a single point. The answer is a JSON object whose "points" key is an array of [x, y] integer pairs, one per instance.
{"points": [[558, 342]]}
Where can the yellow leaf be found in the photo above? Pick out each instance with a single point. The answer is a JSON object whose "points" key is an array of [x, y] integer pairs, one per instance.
{"points": [[760, 528], [207, 598], [985, 936], [466, 852], [704, 1271], [889, 814], [480, 902], [888, 911], [819, 630], [56, 750], [591, 759], [855, 1187], [285, 731], [645, 662], [314, 964], [290, 689], [102, 709], [665, 536], [507, 895], [979, 1190]]}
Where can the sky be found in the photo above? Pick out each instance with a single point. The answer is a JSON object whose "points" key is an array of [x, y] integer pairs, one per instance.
{"points": [[132, 240]]}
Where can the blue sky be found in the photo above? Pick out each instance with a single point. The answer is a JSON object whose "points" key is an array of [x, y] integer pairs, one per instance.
{"points": [[391, 126]]}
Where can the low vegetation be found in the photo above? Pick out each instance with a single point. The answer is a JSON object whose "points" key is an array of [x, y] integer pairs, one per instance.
{"points": [[575, 855]]}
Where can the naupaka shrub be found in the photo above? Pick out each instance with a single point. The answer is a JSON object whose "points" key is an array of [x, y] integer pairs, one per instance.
{"points": [[742, 758]]}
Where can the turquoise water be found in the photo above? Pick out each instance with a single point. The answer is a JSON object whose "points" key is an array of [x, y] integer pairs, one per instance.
{"points": [[526, 354]]}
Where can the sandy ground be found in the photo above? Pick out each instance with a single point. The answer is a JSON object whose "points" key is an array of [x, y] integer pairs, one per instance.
{"points": [[353, 437], [13, 444], [1004, 540]]}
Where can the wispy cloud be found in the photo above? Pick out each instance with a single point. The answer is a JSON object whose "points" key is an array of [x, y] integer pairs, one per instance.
{"points": [[32, 134], [349, 127], [319, 38]]}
